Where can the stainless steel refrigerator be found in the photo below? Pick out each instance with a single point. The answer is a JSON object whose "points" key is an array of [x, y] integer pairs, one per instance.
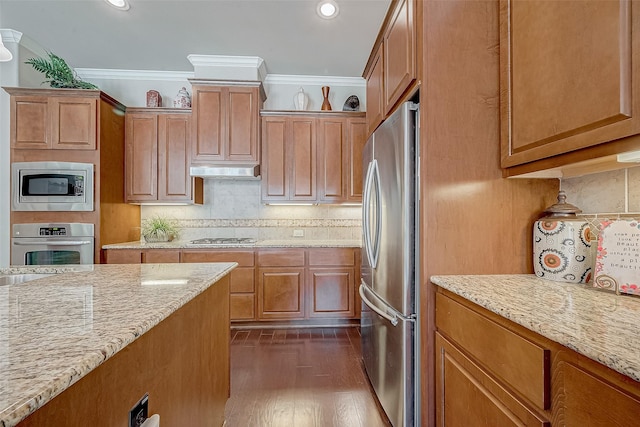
{"points": [[390, 263]]}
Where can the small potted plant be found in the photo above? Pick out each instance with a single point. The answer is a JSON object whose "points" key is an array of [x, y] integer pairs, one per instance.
{"points": [[159, 229]]}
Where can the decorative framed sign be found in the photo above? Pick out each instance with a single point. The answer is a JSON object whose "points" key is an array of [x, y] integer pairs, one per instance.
{"points": [[618, 256]]}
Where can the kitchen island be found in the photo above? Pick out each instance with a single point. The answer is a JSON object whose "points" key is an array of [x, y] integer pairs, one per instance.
{"points": [[81, 348], [517, 347]]}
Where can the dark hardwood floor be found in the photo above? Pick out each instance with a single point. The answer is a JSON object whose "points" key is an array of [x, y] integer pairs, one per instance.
{"points": [[299, 378]]}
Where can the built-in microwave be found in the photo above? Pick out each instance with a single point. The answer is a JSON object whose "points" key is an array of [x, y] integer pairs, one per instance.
{"points": [[51, 186]]}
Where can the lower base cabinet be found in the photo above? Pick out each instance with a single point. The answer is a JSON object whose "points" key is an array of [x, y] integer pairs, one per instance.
{"points": [[493, 372], [272, 284]]}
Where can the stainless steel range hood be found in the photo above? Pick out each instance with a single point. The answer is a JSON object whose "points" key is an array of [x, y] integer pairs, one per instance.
{"points": [[225, 171]]}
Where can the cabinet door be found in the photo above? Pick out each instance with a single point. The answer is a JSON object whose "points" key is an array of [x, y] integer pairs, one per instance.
{"points": [[332, 161], [466, 395], [243, 116], [357, 138], [375, 88], [332, 292], [399, 53], [281, 293], [73, 123], [209, 111], [275, 175], [141, 157], [30, 123], [301, 147], [174, 139], [568, 76]]}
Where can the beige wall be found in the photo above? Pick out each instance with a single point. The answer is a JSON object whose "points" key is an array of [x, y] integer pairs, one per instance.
{"points": [[232, 208], [606, 192]]}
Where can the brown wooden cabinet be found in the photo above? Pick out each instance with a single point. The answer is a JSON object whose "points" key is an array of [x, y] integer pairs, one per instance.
{"points": [[226, 121], [570, 77], [272, 284], [495, 372], [312, 157], [392, 67], [158, 157], [331, 282], [375, 86], [141, 256], [243, 289], [281, 282], [76, 125], [53, 119], [289, 158]]}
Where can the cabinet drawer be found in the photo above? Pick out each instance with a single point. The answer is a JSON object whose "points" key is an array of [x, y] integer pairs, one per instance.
{"points": [[242, 306], [332, 256], [281, 257], [123, 256], [242, 279], [510, 357], [243, 258], [160, 255]]}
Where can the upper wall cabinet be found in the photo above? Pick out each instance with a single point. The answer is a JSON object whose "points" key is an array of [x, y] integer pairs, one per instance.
{"points": [[226, 121], [54, 119], [391, 69], [312, 157], [570, 76], [157, 157]]}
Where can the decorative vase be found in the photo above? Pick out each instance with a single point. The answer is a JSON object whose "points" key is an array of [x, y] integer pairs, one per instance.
{"points": [[562, 244], [351, 104], [326, 105], [182, 99], [154, 99], [300, 100]]}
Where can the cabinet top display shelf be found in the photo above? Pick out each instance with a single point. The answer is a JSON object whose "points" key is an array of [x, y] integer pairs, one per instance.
{"points": [[84, 93], [315, 113]]}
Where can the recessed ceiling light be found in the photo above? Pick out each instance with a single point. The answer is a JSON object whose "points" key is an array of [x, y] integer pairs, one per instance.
{"points": [[327, 9], [119, 4]]}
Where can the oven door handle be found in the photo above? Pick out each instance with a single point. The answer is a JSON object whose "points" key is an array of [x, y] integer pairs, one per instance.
{"points": [[56, 243]]}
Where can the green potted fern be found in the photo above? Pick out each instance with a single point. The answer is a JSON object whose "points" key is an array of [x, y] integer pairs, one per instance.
{"points": [[60, 74], [159, 229]]}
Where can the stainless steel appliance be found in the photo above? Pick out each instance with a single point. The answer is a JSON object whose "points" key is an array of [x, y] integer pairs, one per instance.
{"points": [[224, 241], [389, 319], [49, 244], [52, 186]]}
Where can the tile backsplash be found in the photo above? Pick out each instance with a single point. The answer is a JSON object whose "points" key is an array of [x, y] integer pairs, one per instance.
{"points": [[232, 208], [613, 192]]}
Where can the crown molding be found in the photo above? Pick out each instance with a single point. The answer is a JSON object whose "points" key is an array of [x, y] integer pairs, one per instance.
{"points": [[254, 62], [9, 35], [317, 80], [148, 75]]}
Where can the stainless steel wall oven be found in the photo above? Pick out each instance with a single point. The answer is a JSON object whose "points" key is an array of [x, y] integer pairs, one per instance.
{"points": [[52, 244]]}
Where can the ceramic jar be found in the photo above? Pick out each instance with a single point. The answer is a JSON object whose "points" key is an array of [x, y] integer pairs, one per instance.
{"points": [[300, 100], [562, 244], [182, 99]]}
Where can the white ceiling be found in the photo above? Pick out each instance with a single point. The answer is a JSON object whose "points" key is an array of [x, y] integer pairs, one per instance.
{"points": [[159, 34]]}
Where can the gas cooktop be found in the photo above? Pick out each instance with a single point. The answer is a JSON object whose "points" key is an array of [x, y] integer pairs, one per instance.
{"points": [[224, 241]]}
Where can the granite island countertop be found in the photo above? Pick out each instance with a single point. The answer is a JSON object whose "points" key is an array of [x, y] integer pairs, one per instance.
{"points": [[289, 243], [597, 324], [55, 330]]}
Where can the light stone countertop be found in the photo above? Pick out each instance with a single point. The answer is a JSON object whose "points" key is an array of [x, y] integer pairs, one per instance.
{"points": [[600, 325], [292, 243], [55, 330]]}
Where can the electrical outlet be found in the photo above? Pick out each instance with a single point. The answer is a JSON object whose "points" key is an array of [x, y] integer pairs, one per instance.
{"points": [[140, 411], [298, 233]]}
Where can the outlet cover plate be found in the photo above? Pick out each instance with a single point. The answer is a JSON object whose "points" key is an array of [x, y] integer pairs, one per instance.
{"points": [[140, 411]]}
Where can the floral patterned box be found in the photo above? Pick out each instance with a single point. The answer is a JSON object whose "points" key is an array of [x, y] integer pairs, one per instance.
{"points": [[617, 267]]}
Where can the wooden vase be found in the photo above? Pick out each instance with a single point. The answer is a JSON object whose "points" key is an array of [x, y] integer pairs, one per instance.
{"points": [[326, 105]]}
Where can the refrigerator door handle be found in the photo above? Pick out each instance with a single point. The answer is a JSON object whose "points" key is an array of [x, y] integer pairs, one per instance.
{"points": [[386, 312], [366, 217]]}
